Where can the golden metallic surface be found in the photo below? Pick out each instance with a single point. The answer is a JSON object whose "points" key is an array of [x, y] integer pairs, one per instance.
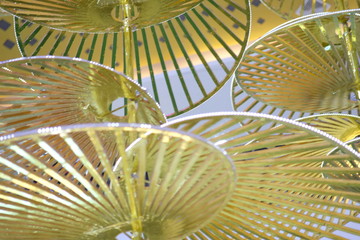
{"points": [[97, 15], [50, 91], [170, 183], [308, 65], [181, 62], [3, 13], [280, 192], [243, 102], [347, 129], [342, 126], [353, 177], [289, 9]]}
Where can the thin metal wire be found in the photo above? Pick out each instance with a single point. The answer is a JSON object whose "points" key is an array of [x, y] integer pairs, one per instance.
{"points": [[291, 9], [190, 48], [303, 66], [280, 191], [52, 91], [171, 175], [96, 16]]}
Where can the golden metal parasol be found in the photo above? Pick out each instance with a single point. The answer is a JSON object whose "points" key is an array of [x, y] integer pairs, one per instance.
{"points": [[97, 15], [190, 56], [50, 91], [180, 183], [280, 190], [309, 65]]}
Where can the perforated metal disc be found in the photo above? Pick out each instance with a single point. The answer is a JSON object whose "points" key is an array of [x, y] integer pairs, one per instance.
{"points": [[290, 9], [281, 191], [164, 185], [182, 62], [306, 66], [50, 91], [99, 15]]}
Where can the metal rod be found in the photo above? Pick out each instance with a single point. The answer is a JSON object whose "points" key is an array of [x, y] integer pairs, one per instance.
{"points": [[136, 224]]}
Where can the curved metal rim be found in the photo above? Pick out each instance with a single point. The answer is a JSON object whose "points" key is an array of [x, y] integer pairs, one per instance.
{"points": [[283, 27], [302, 19], [328, 115], [280, 120], [337, 148], [222, 82], [287, 18], [232, 70], [103, 126], [100, 32], [70, 59]]}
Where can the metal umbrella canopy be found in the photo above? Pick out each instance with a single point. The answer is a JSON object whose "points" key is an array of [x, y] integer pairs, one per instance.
{"points": [[159, 188], [281, 191], [309, 65], [291, 9], [50, 91], [191, 56], [99, 15]]}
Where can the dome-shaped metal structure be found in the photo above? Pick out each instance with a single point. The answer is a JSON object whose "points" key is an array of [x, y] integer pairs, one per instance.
{"points": [[159, 186]]}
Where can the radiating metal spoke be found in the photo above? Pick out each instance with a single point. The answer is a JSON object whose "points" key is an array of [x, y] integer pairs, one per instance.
{"points": [[305, 65], [52, 91], [97, 16], [281, 190], [290, 9], [157, 184], [191, 56]]}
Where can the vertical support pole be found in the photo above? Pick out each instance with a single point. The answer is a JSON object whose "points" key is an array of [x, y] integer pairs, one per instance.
{"points": [[349, 39], [131, 112], [129, 55]]}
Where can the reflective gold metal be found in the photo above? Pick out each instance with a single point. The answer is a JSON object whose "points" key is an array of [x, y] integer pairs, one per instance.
{"points": [[243, 102], [50, 187], [280, 191], [3, 13], [347, 129], [353, 177], [182, 62], [342, 126], [309, 65], [97, 15], [290, 9], [50, 91]]}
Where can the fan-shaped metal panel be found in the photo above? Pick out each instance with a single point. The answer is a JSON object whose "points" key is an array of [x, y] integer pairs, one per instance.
{"points": [[160, 189], [51, 91], [99, 15], [290, 9], [342, 126], [347, 129], [191, 56], [280, 192], [243, 102], [351, 163], [309, 65]]}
